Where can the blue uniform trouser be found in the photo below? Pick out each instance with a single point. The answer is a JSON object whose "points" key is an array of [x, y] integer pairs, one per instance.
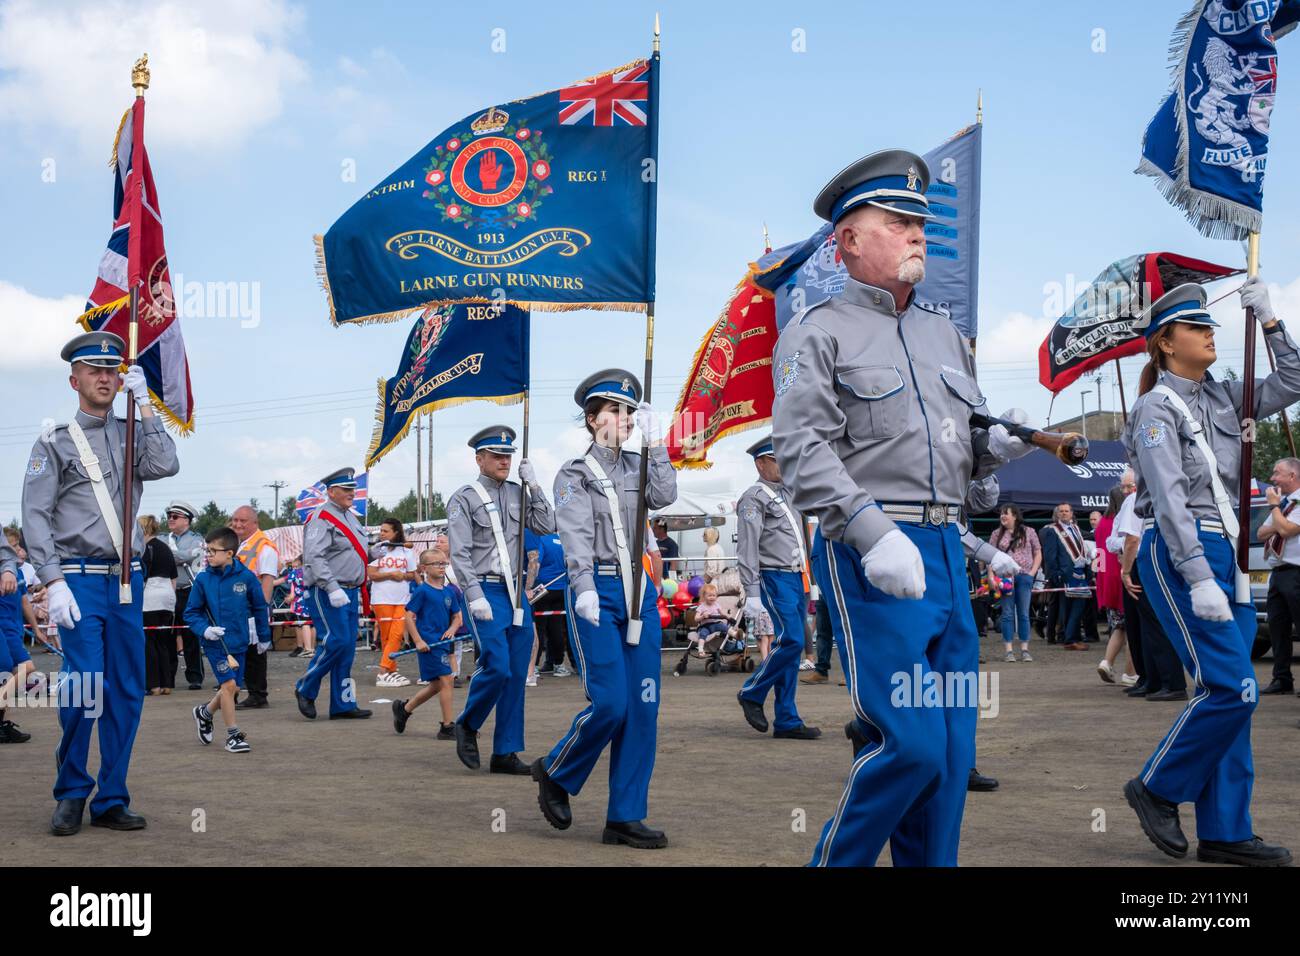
{"points": [[337, 629], [908, 785], [104, 664], [501, 667], [1205, 758], [783, 595], [622, 684]]}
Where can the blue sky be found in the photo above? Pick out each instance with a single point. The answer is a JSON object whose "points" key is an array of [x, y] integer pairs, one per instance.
{"points": [[259, 108]]}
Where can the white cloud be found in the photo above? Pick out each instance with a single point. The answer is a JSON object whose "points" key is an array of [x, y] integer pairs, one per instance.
{"points": [[34, 329], [1015, 339], [220, 70]]}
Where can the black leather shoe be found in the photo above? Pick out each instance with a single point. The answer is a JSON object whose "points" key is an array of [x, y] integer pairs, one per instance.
{"points": [[467, 746], [252, 703], [1168, 695], [1252, 852], [1278, 687], [635, 834], [305, 707], [196, 687], [976, 782], [858, 741], [10, 734], [400, 716], [67, 816], [1137, 690], [802, 732], [356, 713], [551, 797], [1159, 819], [508, 763], [754, 714], [119, 818]]}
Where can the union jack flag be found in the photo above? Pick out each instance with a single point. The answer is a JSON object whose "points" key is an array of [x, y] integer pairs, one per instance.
{"points": [[310, 499], [604, 98], [1265, 80]]}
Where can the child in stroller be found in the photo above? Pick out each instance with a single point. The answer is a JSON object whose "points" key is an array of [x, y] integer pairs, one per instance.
{"points": [[719, 640]]}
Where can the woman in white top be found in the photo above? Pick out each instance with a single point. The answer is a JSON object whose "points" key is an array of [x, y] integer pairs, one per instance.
{"points": [[392, 569], [713, 555]]}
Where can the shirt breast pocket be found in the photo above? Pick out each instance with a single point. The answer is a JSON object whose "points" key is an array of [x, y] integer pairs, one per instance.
{"points": [[874, 401], [964, 398]]}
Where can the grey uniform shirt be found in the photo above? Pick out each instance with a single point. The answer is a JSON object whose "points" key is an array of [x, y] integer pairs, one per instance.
{"points": [[582, 512], [874, 407], [765, 538], [9, 560], [187, 548], [1173, 478], [61, 516], [469, 530], [328, 559]]}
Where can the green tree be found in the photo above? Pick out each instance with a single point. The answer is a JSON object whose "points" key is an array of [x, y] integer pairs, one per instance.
{"points": [[288, 511], [1271, 443], [210, 518]]}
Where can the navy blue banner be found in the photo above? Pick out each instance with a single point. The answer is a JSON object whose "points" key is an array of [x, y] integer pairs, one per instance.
{"points": [[546, 203], [454, 354]]}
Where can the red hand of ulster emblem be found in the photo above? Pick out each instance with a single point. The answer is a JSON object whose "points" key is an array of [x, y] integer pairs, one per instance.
{"points": [[489, 170]]}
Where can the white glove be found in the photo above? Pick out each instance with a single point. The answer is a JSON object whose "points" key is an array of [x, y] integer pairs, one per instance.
{"points": [[894, 565], [214, 633], [1005, 445], [480, 609], [263, 648], [1003, 565], [339, 598], [133, 381], [527, 474], [647, 419], [62, 605], [587, 607], [1209, 603], [754, 605], [1254, 295]]}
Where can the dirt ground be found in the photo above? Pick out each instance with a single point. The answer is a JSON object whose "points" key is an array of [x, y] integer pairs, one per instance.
{"points": [[326, 793]]}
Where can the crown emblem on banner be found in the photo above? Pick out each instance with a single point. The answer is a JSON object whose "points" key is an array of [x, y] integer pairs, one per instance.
{"points": [[493, 121]]}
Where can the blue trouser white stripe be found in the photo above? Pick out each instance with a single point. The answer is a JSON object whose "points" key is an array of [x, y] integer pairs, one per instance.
{"points": [[783, 595], [622, 684], [1205, 757], [500, 670], [338, 628], [909, 785]]}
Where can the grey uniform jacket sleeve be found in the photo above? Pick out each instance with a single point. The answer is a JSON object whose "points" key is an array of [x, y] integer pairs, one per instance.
{"points": [[575, 521], [157, 459], [460, 540], [749, 528], [661, 490], [1159, 459], [541, 516], [8, 559], [315, 542], [185, 547], [806, 418], [40, 490], [1281, 389]]}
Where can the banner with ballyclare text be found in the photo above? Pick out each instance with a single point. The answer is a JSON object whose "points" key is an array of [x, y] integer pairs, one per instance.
{"points": [[545, 203]]}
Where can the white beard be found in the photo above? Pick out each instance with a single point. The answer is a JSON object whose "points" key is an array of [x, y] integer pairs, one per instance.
{"points": [[911, 270]]}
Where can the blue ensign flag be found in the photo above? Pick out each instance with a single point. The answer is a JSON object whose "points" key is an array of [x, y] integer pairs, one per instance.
{"points": [[1208, 143], [807, 273], [454, 354], [545, 203]]}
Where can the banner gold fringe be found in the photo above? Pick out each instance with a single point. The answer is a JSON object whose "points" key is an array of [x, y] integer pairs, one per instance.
{"points": [[374, 453], [117, 140], [105, 309]]}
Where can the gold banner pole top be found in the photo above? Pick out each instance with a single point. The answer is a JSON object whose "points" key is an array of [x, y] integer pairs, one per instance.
{"points": [[140, 75]]}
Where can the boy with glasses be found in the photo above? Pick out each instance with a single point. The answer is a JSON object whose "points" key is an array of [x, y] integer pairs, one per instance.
{"points": [[432, 615]]}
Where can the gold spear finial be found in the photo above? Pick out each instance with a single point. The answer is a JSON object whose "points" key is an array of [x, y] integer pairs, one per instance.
{"points": [[140, 75], [656, 43]]}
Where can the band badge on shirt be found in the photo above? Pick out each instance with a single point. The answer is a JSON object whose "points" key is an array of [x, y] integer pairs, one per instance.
{"points": [[37, 465], [565, 495], [789, 373], [240, 587], [749, 511], [1153, 434], [455, 512]]}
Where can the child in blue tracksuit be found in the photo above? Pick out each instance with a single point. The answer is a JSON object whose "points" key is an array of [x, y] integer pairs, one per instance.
{"points": [[432, 615], [225, 595]]}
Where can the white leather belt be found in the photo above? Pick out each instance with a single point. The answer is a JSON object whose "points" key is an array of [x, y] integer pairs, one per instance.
{"points": [[1212, 525], [929, 512], [87, 567]]}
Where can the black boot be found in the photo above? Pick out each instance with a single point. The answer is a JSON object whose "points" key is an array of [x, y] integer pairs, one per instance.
{"points": [[467, 746], [508, 763], [305, 707], [1278, 686], [858, 741], [400, 716], [802, 732], [976, 782], [119, 818], [356, 713], [551, 797], [1159, 819], [754, 714], [1252, 852], [67, 816], [10, 734], [633, 833]]}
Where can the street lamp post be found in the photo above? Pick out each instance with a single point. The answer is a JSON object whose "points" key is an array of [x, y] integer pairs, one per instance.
{"points": [[1083, 411]]}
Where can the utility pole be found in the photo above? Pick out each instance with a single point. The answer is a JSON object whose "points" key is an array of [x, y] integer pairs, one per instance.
{"points": [[419, 482], [277, 485], [429, 515]]}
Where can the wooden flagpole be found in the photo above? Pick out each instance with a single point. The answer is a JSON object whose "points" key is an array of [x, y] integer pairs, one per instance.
{"points": [[1248, 415], [523, 522]]}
